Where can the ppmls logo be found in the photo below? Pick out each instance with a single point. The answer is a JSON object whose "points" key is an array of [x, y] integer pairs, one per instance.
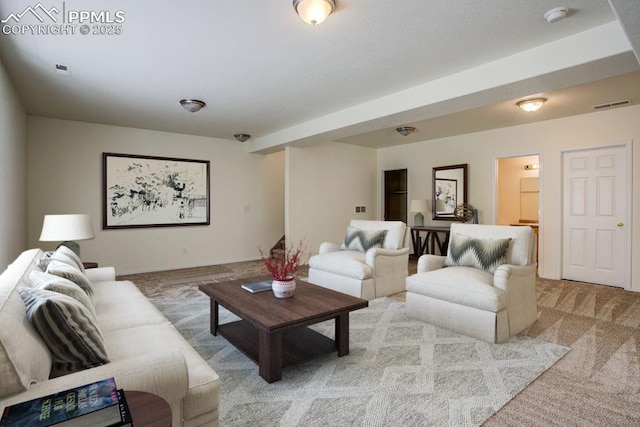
{"points": [[38, 11], [50, 21]]}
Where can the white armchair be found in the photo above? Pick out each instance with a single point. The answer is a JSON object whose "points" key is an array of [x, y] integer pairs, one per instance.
{"points": [[371, 262], [485, 287]]}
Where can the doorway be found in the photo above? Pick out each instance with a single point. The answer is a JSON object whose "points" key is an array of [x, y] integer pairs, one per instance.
{"points": [[596, 229], [518, 192], [395, 195]]}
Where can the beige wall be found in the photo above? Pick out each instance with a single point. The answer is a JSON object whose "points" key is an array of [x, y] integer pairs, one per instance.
{"points": [[65, 176], [324, 185], [13, 172], [480, 150]]}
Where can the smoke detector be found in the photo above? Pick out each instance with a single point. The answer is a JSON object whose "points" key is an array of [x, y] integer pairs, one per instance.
{"points": [[556, 14]]}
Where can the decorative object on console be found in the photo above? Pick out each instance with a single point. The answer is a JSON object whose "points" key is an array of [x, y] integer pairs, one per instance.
{"points": [[147, 191], [67, 228], [242, 137], [192, 105], [405, 130], [418, 206], [283, 269], [464, 212], [314, 12]]}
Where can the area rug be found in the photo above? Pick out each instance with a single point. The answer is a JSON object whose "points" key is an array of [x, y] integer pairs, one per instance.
{"points": [[399, 372]]}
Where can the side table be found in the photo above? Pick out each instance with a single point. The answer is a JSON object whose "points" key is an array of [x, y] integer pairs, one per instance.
{"points": [[148, 410], [90, 264]]}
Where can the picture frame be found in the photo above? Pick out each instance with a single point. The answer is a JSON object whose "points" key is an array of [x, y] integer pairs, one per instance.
{"points": [[445, 196], [149, 191], [449, 190]]}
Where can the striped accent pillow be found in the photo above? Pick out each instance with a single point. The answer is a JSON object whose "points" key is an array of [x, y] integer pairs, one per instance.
{"points": [[51, 282], [486, 255], [68, 328], [71, 273], [362, 240], [66, 255]]}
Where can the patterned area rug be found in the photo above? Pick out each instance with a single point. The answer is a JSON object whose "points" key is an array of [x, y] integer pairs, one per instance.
{"points": [[399, 372]]}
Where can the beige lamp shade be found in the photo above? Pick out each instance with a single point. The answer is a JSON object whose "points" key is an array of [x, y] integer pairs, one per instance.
{"points": [[66, 229], [418, 206]]}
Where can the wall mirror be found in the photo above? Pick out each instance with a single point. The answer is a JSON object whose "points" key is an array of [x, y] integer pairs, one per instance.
{"points": [[449, 190]]}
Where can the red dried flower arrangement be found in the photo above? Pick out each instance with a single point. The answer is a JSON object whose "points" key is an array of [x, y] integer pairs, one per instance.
{"points": [[286, 266]]}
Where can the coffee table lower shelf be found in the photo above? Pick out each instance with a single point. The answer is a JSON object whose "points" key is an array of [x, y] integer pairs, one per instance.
{"points": [[298, 344]]}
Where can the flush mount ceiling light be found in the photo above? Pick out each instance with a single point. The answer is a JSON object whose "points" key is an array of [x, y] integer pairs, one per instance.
{"points": [[556, 14], [242, 137], [405, 130], [314, 11], [531, 105], [192, 105]]}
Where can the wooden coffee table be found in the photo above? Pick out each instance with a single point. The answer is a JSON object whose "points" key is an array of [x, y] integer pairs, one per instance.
{"points": [[272, 331]]}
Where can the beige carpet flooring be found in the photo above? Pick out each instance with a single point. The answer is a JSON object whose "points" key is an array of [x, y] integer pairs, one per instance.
{"points": [[596, 384]]}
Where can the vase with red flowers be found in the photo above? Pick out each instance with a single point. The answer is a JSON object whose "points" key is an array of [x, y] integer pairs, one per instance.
{"points": [[283, 268]]}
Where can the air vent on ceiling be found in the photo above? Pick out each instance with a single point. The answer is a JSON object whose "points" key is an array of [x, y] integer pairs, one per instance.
{"points": [[611, 104]]}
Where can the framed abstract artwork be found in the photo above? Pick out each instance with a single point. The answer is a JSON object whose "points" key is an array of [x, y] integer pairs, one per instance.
{"points": [[147, 191], [449, 190]]}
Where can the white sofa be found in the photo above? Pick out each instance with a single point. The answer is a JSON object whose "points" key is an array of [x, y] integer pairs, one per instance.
{"points": [[491, 306], [367, 274], [146, 353]]}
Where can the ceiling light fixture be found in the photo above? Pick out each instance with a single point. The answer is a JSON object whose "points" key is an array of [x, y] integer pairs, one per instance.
{"points": [[242, 137], [556, 14], [405, 130], [192, 105], [314, 12], [531, 105]]}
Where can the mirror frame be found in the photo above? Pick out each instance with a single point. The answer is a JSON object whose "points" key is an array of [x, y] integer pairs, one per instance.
{"points": [[448, 216]]}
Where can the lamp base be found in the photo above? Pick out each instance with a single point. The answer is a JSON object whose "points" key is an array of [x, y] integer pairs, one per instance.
{"points": [[418, 219], [75, 247]]}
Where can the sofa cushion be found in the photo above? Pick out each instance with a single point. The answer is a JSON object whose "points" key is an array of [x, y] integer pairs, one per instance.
{"points": [[71, 273], [356, 239], [51, 282], [66, 255], [394, 239], [24, 357], [344, 263], [150, 339], [68, 328], [117, 297], [44, 261], [485, 254], [459, 285]]}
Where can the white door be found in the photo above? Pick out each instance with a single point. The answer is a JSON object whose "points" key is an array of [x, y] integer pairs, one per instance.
{"points": [[596, 233]]}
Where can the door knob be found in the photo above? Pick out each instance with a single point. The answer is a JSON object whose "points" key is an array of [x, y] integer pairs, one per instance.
{"points": [[620, 224]]}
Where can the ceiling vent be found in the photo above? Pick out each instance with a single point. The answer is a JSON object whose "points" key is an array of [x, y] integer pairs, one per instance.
{"points": [[611, 104]]}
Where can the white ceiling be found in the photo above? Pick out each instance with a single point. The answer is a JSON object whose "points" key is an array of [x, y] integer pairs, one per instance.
{"points": [[445, 67]]}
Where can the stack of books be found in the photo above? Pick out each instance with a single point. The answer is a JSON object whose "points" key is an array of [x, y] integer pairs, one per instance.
{"points": [[99, 404]]}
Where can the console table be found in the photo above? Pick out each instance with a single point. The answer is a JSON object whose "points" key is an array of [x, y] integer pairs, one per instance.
{"points": [[431, 239]]}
